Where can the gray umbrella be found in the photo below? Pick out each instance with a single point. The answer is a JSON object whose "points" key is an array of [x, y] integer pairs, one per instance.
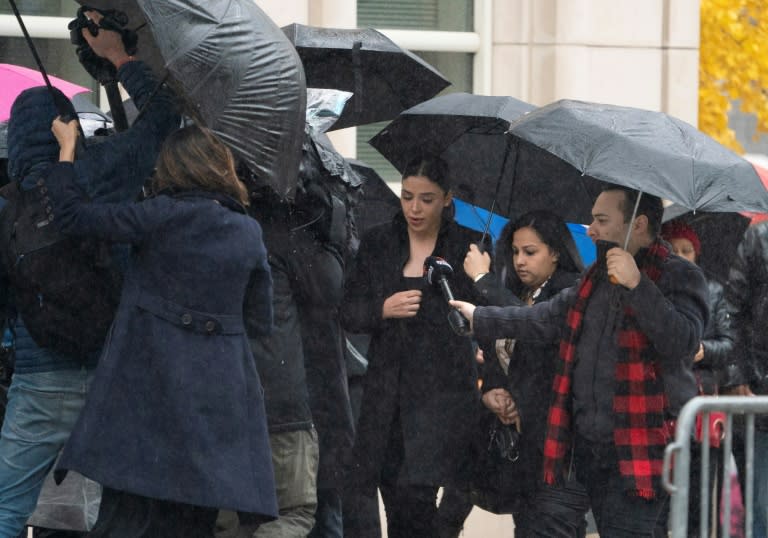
{"points": [[237, 71], [648, 151]]}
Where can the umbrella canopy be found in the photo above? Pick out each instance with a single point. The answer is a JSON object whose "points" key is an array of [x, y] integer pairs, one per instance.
{"points": [[378, 204], [468, 132], [384, 78], [644, 150], [16, 79], [719, 234], [237, 71]]}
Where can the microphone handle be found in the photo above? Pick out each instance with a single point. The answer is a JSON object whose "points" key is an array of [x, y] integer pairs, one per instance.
{"points": [[445, 288], [456, 320]]}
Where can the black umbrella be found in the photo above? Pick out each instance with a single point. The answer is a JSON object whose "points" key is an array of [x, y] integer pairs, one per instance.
{"points": [[377, 203], [640, 149], [719, 234], [237, 71], [468, 132], [384, 78]]}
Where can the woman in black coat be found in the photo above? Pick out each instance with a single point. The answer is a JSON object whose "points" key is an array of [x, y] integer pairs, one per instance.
{"points": [[420, 389], [709, 363], [536, 258], [174, 427]]}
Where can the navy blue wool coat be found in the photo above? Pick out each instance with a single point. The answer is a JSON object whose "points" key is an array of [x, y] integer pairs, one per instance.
{"points": [[176, 409]]}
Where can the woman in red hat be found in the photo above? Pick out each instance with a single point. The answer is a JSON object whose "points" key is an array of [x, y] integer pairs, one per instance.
{"points": [[710, 361]]}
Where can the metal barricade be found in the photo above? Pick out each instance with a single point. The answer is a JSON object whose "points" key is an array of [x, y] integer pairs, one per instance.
{"points": [[676, 474]]}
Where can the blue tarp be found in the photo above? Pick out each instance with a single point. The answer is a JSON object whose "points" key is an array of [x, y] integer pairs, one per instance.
{"points": [[476, 218]]}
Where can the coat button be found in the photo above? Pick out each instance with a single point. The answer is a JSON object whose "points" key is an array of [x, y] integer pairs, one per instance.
{"points": [[186, 319], [210, 326]]}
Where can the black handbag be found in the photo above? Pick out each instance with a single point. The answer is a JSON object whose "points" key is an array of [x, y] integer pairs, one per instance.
{"points": [[496, 482]]}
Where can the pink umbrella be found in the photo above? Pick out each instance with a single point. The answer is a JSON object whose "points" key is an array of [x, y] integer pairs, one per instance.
{"points": [[15, 79]]}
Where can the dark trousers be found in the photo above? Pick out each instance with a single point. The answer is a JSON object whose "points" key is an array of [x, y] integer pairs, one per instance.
{"points": [[453, 510], [124, 515], [553, 512], [595, 482], [694, 492], [617, 513], [411, 511]]}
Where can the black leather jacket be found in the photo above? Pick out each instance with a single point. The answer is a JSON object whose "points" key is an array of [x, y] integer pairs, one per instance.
{"points": [[719, 342], [747, 298]]}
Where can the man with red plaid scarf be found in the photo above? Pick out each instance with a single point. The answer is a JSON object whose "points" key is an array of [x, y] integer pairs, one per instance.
{"points": [[628, 333]]}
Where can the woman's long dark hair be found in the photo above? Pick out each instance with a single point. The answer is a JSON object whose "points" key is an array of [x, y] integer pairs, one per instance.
{"points": [[552, 231], [194, 158]]}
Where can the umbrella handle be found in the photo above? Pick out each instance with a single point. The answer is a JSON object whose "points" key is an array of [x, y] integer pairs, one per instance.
{"points": [[612, 278], [116, 106]]}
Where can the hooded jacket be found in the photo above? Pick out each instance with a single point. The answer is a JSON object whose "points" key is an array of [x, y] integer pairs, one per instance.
{"points": [[111, 171]]}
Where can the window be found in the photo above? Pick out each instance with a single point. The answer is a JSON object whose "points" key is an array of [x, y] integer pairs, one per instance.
{"points": [[58, 55], [417, 15]]}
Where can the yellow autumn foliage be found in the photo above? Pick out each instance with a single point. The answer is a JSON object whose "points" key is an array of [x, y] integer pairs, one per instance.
{"points": [[733, 65]]}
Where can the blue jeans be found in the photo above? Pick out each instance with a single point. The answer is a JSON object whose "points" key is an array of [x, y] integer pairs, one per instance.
{"points": [[42, 410], [328, 519]]}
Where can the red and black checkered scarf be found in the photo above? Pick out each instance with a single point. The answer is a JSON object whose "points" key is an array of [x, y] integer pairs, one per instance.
{"points": [[639, 401]]}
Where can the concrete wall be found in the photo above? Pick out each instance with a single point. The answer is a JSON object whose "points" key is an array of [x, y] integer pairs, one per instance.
{"points": [[624, 52]]}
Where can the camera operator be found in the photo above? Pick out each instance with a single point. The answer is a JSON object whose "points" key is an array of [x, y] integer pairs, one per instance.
{"points": [[48, 389]]}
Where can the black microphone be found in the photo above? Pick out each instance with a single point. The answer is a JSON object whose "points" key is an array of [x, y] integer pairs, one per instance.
{"points": [[436, 273]]}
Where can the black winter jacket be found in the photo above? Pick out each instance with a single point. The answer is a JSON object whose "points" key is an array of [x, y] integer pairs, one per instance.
{"points": [[719, 341], [280, 355], [529, 379], [420, 375]]}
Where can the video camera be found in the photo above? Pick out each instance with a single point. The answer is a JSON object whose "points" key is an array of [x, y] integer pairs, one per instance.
{"points": [[113, 19], [100, 68]]}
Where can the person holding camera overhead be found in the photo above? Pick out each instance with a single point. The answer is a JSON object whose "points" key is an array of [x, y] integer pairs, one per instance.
{"points": [[420, 393], [535, 259], [48, 388]]}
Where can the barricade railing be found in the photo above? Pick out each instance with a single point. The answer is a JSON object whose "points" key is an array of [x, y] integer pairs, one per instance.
{"points": [[677, 460]]}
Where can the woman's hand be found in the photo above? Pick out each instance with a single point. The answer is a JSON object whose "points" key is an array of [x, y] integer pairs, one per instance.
{"points": [[403, 304], [476, 262], [66, 135], [699, 354], [500, 402]]}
